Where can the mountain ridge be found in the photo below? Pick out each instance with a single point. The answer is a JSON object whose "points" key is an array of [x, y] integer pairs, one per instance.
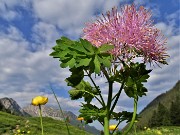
{"points": [[11, 106]]}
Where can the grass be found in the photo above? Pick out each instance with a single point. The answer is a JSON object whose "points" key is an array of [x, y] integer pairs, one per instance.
{"points": [[169, 130], [11, 124]]}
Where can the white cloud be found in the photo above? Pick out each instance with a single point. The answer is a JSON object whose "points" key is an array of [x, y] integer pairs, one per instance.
{"points": [[25, 73], [44, 35], [166, 29], [7, 8], [172, 18], [70, 16]]}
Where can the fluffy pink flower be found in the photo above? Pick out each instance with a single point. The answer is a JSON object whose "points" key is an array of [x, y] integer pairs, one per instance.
{"points": [[132, 33]]}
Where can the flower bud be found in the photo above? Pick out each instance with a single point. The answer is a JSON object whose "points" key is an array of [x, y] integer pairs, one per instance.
{"points": [[113, 127], [39, 100], [80, 118]]}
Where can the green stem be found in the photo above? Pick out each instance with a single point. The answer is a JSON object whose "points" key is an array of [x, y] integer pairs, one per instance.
{"points": [[133, 118], [106, 126], [93, 96], [109, 98], [107, 118], [116, 126], [117, 97], [102, 100], [135, 129], [61, 111], [40, 112]]}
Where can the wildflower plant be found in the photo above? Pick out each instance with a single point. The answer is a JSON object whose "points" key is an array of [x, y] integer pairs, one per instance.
{"points": [[109, 48], [23, 129], [38, 101]]}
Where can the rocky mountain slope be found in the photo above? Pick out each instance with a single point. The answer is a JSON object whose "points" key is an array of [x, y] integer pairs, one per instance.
{"points": [[11, 106]]}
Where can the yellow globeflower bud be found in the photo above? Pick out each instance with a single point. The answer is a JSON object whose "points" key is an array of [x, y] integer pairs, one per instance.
{"points": [[18, 130], [112, 127], [39, 100], [148, 129], [80, 118], [158, 132]]}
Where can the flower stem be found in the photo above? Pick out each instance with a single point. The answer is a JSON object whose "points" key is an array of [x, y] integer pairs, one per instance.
{"points": [[61, 110], [109, 98], [135, 129], [40, 112], [107, 118], [102, 100], [133, 118], [106, 126], [117, 97]]}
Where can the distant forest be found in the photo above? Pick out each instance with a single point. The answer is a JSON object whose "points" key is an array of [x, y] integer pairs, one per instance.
{"points": [[166, 117]]}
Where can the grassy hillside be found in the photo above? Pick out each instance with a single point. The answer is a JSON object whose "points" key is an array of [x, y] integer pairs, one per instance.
{"points": [[170, 130], [166, 99], [11, 123]]}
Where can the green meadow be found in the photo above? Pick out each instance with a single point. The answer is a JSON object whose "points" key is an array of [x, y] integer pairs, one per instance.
{"points": [[164, 130], [17, 125]]}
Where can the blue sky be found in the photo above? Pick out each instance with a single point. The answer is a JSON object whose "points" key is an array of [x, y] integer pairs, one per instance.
{"points": [[28, 30]]}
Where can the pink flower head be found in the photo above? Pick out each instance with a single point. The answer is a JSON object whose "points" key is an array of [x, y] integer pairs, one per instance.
{"points": [[132, 33]]}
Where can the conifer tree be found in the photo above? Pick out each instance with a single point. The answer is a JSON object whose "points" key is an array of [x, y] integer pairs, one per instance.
{"points": [[153, 120], [175, 112]]}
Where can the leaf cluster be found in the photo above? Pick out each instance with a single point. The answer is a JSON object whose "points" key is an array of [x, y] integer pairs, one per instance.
{"points": [[91, 112], [122, 116], [136, 74], [82, 53], [83, 89]]}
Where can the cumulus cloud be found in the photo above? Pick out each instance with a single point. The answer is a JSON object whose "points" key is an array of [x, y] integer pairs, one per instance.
{"points": [[25, 73], [70, 16], [44, 35], [8, 11]]}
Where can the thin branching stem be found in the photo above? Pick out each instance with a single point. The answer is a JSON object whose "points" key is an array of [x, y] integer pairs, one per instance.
{"points": [[116, 126], [117, 97], [61, 110], [91, 94], [102, 100]]}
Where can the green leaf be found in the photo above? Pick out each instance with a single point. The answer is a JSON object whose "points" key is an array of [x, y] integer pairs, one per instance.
{"points": [[84, 62], [87, 45], [96, 65], [78, 48], [75, 94], [91, 111], [105, 61], [76, 76], [106, 47], [129, 91], [144, 78], [70, 63]]}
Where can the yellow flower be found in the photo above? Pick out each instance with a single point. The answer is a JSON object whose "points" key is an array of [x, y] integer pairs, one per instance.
{"points": [[148, 129], [18, 130], [28, 132], [39, 100], [80, 118], [112, 127], [158, 132]]}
